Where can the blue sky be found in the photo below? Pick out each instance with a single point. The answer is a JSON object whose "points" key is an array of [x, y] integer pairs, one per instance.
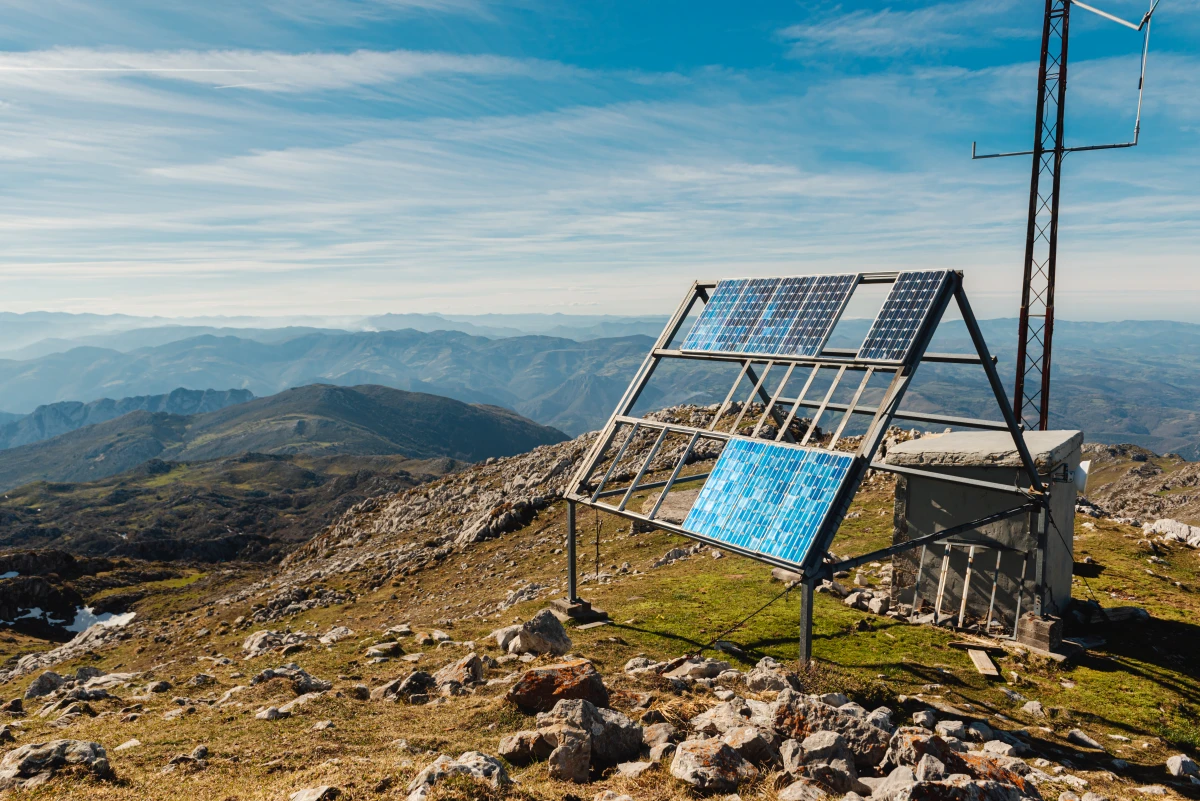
{"points": [[361, 156]]}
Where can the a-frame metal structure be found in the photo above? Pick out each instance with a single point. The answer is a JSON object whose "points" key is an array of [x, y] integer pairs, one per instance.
{"points": [[595, 484]]}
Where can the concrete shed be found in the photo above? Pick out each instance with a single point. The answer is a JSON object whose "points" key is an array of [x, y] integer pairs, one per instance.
{"points": [[1000, 555]]}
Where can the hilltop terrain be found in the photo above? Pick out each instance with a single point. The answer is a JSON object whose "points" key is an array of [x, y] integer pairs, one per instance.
{"points": [[350, 666], [249, 507], [318, 420]]}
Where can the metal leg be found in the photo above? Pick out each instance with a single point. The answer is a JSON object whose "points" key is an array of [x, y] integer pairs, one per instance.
{"points": [[962, 607], [916, 604], [572, 585], [806, 616], [1020, 593], [937, 604], [987, 627]]}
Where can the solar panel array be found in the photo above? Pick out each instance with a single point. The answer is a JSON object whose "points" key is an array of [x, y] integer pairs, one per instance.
{"points": [[768, 498], [771, 316], [907, 305]]}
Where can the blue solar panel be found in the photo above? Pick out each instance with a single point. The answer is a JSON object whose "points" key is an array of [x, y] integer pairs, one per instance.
{"points": [[779, 315], [818, 314], [907, 305], [805, 506], [768, 498], [741, 323], [771, 316], [720, 305]]}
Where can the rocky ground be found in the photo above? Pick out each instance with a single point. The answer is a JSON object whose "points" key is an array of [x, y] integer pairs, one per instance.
{"points": [[407, 652]]}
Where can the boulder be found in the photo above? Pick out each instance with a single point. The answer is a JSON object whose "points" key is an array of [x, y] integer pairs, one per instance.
{"points": [[925, 718], [753, 744], [541, 688], [614, 737], [472, 763], [1182, 765], [335, 634], [767, 676], [632, 770], [35, 763], [524, 747], [1081, 738], [695, 668], [384, 649], [541, 634], [731, 714], [466, 671], [802, 790], [657, 733], [711, 766], [796, 716], [44, 684], [571, 757], [505, 635], [951, 728]]}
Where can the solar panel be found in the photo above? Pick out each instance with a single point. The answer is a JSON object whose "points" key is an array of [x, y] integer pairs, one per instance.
{"points": [[740, 324], [720, 305], [907, 305], [768, 498], [779, 315], [818, 314]]}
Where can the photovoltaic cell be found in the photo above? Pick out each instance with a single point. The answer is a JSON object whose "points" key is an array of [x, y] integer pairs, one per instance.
{"points": [[769, 498], [779, 315], [771, 316], [704, 333], [818, 314], [740, 324], [902, 315]]}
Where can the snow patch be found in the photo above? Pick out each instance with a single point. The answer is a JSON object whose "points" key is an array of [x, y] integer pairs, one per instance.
{"points": [[85, 618], [9, 574]]}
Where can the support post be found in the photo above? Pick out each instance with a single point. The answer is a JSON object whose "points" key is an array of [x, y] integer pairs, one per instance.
{"points": [[806, 616], [572, 586]]}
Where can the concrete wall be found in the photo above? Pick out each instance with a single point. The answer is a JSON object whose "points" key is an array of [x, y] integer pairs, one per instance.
{"points": [[924, 506]]}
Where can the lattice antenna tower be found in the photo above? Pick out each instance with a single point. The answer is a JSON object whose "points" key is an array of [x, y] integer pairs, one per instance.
{"points": [[1031, 394]]}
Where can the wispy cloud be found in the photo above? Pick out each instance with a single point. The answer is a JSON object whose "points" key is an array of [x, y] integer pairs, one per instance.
{"points": [[888, 32]]}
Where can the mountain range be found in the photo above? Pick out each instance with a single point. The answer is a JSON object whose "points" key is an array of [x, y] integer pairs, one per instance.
{"points": [[54, 419], [1135, 382], [315, 420]]}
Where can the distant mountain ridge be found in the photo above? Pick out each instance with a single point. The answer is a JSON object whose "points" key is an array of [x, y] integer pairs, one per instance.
{"points": [[54, 419], [315, 420], [1133, 381]]}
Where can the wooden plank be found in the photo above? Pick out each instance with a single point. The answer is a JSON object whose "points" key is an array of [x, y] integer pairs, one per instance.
{"points": [[595, 625], [983, 663]]}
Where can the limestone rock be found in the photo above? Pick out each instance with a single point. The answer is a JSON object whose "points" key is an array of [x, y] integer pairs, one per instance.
{"points": [[753, 744], [1080, 737], [1182, 765], [44, 684], [541, 634], [614, 737], [524, 747], [472, 763], [384, 649], [36, 762], [466, 671], [571, 759], [767, 675], [796, 716], [802, 790], [711, 766], [541, 688]]}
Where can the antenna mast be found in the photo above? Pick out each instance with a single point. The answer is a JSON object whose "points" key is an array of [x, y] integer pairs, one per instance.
{"points": [[1031, 396]]}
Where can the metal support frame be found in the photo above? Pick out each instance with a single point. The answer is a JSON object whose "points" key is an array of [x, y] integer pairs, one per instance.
{"points": [[582, 490]]}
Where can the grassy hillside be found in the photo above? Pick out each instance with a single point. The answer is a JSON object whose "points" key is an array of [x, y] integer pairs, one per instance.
{"points": [[316, 420], [1141, 686], [254, 506]]}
